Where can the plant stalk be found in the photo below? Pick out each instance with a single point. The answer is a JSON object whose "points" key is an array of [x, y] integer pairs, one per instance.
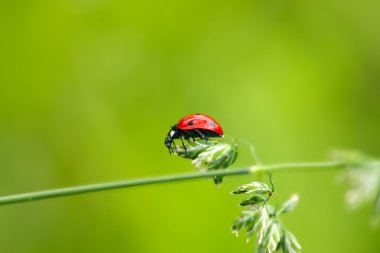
{"points": [[60, 192]]}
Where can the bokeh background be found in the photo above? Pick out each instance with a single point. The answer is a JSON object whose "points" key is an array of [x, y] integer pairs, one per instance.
{"points": [[89, 89]]}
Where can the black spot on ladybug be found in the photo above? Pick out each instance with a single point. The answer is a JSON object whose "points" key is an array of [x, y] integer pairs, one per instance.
{"points": [[198, 114], [212, 123], [191, 123]]}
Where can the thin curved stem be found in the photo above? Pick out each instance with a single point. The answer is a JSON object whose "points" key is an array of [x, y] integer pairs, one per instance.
{"points": [[60, 192]]}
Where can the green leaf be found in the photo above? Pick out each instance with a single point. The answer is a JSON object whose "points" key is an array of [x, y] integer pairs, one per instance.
{"points": [[211, 155], [216, 156], [254, 187], [192, 149], [247, 221], [262, 224], [272, 237], [252, 228], [260, 218], [289, 243], [253, 220], [289, 205], [254, 200]]}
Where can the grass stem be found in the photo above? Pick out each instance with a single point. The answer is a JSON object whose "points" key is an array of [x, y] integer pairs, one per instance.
{"points": [[60, 192]]}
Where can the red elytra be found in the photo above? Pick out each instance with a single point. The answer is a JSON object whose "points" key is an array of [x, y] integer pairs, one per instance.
{"points": [[200, 122]]}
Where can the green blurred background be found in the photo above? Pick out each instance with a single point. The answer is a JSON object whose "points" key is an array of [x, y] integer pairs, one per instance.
{"points": [[89, 89]]}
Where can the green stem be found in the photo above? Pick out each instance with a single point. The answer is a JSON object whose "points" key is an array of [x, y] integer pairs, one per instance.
{"points": [[298, 166], [53, 193]]}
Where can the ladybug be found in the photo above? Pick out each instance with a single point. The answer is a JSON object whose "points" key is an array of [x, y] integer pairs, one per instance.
{"points": [[193, 126]]}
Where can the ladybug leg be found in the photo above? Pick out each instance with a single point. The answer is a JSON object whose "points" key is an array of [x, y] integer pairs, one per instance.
{"points": [[183, 144], [201, 135], [186, 137], [173, 145], [171, 148], [189, 135]]}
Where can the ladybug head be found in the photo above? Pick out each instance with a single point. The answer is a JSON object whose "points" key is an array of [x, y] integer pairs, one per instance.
{"points": [[173, 134], [168, 141]]}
